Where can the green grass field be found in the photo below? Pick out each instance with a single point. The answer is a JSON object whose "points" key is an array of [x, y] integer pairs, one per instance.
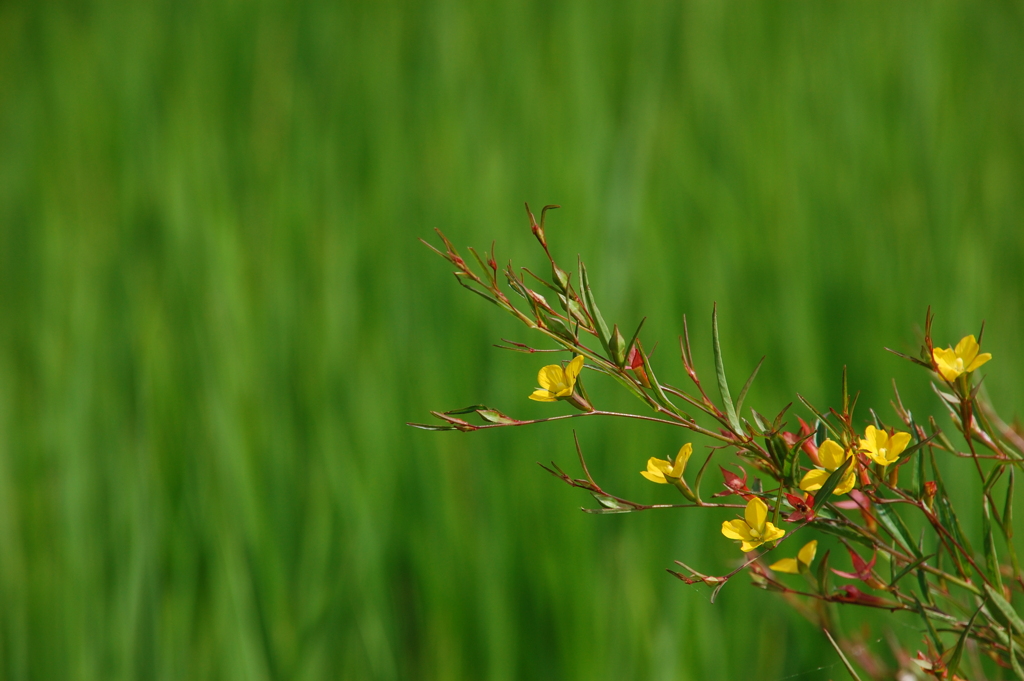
{"points": [[215, 317]]}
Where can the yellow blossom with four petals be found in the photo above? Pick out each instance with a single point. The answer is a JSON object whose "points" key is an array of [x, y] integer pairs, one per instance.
{"points": [[754, 529], [963, 359], [556, 382], [831, 456], [660, 469], [883, 448], [804, 558]]}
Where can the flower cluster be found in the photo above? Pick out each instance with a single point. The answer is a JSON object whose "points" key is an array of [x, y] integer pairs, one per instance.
{"points": [[835, 480]]}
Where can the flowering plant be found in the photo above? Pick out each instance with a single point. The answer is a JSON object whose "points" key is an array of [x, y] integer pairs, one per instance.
{"points": [[830, 479]]}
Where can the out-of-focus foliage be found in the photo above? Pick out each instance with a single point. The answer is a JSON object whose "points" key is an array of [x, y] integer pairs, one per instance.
{"points": [[215, 317]]}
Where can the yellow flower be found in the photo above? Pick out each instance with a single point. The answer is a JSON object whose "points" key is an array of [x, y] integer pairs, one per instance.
{"points": [[557, 382], [755, 529], [803, 559], [882, 448], [963, 359], [659, 469], [831, 456]]}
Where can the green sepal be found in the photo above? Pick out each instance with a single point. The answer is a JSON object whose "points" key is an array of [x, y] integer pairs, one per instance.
{"points": [[495, 416], [617, 347], [560, 276], [609, 504]]}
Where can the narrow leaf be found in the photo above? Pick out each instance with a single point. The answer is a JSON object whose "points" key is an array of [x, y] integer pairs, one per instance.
{"points": [[430, 426], [1008, 508], [844, 532], [746, 387], [821, 496], [897, 528], [931, 629], [723, 384], [903, 573], [991, 557], [958, 651], [467, 410], [823, 574], [1005, 608]]}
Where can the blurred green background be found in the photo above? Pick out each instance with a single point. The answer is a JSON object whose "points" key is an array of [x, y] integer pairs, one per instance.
{"points": [[215, 317]]}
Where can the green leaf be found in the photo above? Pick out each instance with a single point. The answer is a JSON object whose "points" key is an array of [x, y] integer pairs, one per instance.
{"points": [[991, 557], [1008, 508], [947, 515], [655, 385], [823, 574], [700, 476], [905, 571], [723, 384], [821, 496], [897, 528], [467, 410], [922, 583], [1004, 607], [746, 387], [958, 651], [822, 422], [430, 426], [844, 532], [931, 629]]}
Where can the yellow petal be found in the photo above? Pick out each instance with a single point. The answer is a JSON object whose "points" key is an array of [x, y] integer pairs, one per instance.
{"points": [[847, 483], [771, 533], [541, 395], [897, 443], [736, 529], [551, 378], [573, 370], [877, 457], [654, 477], [748, 546], [945, 360], [967, 349], [685, 452], [657, 466], [788, 565], [806, 554], [813, 480], [831, 455], [979, 360], [756, 513]]}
